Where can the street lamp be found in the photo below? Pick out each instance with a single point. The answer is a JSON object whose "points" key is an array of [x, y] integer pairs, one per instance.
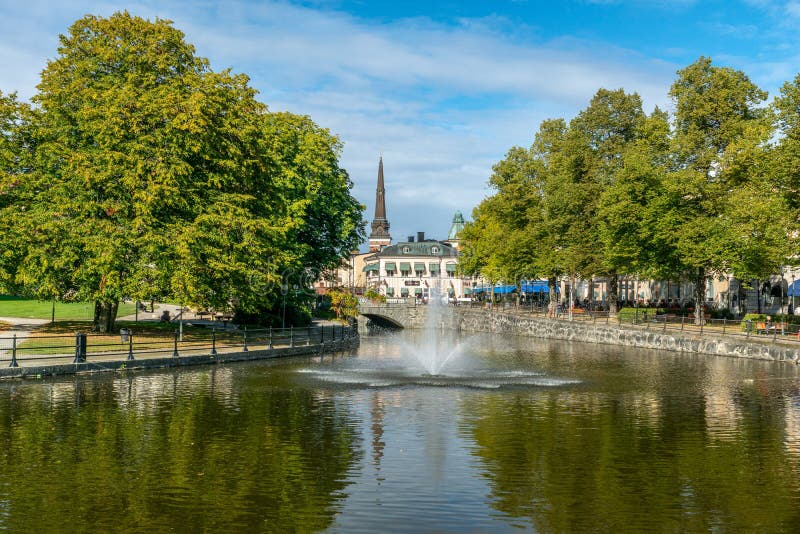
{"points": [[352, 271], [729, 293], [780, 304], [284, 290]]}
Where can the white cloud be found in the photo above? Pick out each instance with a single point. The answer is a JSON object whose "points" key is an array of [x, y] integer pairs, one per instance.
{"points": [[395, 87]]}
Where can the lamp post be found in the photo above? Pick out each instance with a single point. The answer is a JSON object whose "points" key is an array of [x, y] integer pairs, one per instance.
{"points": [[780, 304], [729, 293], [793, 292], [352, 271], [284, 290]]}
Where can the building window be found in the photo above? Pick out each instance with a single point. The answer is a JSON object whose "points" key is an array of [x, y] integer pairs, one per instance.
{"points": [[405, 273], [434, 250], [406, 250]]}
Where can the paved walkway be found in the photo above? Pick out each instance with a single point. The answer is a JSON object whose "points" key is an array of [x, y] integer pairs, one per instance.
{"points": [[155, 315], [21, 327]]}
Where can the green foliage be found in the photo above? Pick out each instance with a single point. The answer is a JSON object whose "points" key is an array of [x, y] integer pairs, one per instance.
{"points": [[722, 313], [154, 176], [373, 295], [345, 305], [617, 191], [755, 318], [628, 315]]}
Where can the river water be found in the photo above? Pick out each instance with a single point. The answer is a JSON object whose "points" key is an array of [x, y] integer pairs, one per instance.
{"points": [[513, 434]]}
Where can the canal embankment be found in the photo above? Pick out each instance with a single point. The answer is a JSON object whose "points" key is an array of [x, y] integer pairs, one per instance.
{"points": [[37, 357], [650, 332], [647, 335]]}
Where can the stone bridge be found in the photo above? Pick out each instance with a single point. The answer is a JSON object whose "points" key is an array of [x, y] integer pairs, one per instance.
{"points": [[469, 320], [392, 315]]}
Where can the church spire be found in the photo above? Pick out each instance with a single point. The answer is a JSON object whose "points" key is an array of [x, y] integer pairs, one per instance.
{"points": [[379, 237], [380, 195]]}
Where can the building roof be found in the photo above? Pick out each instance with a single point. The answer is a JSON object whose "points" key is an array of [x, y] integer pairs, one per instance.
{"points": [[417, 248], [456, 226]]}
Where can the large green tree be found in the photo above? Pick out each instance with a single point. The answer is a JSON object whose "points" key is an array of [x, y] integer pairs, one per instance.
{"points": [[592, 160], [717, 185], [15, 162], [617, 192], [784, 164], [155, 176], [630, 208], [511, 236]]}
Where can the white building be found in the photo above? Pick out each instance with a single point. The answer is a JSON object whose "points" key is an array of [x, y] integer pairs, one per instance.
{"points": [[418, 268]]}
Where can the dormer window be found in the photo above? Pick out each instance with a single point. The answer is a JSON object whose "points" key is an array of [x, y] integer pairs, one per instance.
{"points": [[434, 250], [406, 250]]}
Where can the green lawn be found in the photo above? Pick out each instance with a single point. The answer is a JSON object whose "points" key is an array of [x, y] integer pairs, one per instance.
{"points": [[39, 309]]}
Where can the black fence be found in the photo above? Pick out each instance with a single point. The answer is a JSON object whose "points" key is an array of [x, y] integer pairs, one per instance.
{"points": [[128, 345]]}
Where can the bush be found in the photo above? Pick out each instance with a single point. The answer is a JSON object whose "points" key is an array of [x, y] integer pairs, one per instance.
{"points": [[343, 304], [722, 313], [628, 315], [753, 318], [374, 295], [762, 317]]}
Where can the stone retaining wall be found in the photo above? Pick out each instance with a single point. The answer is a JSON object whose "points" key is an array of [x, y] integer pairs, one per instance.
{"points": [[631, 335]]}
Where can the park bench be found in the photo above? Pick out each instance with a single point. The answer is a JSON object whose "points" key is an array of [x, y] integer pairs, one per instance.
{"points": [[763, 327]]}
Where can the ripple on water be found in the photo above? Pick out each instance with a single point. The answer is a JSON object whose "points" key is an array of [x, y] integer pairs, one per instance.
{"points": [[398, 377]]}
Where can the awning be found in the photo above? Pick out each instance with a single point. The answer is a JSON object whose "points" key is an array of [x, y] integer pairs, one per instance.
{"points": [[389, 291], [467, 290], [794, 289], [405, 266], [536, 286], [390, 266], [499, 290], [418, 291], [371, 267], [419, 267], [450, 267], [403, 291], [434, 267], [504, 289]]}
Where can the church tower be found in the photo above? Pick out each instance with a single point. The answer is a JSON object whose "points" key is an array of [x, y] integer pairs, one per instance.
{"points": [[379, 237]]}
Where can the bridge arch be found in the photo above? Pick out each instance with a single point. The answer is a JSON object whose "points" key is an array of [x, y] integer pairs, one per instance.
{"points": [[393, 315], [383, 321]]}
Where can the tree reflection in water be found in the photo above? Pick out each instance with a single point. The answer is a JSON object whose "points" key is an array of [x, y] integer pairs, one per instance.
{"points": [[184, 451]]}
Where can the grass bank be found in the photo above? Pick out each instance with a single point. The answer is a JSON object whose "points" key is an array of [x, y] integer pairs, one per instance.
{"points": [[11, 306]]}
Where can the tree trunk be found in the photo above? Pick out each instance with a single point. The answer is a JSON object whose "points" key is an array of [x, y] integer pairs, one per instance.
{"points": [[553, 305], [699, 295], [613, 294], [105, 316]]}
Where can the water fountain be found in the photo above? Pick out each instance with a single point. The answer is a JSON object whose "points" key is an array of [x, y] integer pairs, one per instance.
{"points": [[435, 350], [434, 356]]}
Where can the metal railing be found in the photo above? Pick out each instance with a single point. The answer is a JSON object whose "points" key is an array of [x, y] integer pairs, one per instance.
{"points": [[129, 345]]}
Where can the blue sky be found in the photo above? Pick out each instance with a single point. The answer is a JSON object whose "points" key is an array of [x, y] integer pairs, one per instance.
{"points": [[442, 89]]}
